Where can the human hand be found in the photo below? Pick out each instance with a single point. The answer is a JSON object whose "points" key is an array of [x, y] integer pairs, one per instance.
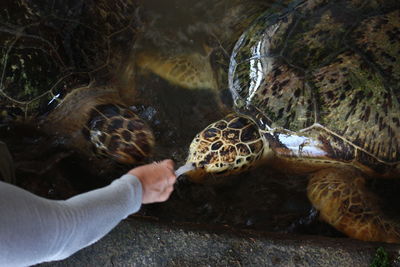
{"points": [[157, 180]]}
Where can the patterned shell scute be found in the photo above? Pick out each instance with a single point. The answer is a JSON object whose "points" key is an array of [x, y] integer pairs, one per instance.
{"points": [[329, 70]]}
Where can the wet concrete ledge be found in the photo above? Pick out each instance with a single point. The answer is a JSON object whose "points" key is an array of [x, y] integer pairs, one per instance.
{"points": [[144, 242]]}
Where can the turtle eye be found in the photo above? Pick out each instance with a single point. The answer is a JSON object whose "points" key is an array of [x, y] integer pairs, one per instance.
{"points": [[118, 133]]}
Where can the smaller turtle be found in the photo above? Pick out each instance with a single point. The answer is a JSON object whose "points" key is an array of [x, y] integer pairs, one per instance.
{"points": [[316, 90], [43, 68]]}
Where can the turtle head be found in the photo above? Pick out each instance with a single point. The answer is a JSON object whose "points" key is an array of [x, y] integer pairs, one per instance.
{"points": [[118, 133], [228, 146]]}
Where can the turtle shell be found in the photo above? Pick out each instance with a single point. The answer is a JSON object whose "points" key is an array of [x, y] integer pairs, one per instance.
{"points": [[47, 50], [329, 70]]}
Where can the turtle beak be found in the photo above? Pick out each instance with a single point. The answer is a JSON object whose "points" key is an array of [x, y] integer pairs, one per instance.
{"points": [[197, 175], [194, 173]]}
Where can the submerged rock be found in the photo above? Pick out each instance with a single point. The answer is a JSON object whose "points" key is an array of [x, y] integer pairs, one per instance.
{"points": [[138, 242]]}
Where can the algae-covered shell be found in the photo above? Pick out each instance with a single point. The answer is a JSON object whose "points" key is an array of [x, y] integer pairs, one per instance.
{"points": [[330, 70]]}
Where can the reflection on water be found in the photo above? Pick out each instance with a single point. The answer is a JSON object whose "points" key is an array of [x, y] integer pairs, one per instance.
{"points": [[168, 33]]}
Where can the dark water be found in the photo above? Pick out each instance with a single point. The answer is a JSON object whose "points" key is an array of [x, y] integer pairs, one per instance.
{"points": [[261, 199]]}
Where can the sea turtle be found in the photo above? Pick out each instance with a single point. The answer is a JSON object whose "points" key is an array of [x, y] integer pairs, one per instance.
{"points": [[316, 89], [62, 69]]}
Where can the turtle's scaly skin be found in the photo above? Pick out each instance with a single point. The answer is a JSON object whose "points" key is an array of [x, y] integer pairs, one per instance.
{"points": [[58, 83], [321, 83]]}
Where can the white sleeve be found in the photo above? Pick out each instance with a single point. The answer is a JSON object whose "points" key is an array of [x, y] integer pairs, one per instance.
{"points": [[34, 229]]}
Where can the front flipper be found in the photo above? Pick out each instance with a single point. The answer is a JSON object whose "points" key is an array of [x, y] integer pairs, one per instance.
{"points": [[344, 202], [187, 70]]}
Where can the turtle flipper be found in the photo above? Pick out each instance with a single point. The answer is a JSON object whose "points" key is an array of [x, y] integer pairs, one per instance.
{"points": [[344, 202], [191, 70]]}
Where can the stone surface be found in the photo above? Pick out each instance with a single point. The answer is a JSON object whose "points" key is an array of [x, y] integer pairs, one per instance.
{"points": [[144, 242]]}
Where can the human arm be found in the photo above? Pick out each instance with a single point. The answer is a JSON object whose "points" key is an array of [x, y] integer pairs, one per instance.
{"points": [[35, 229]]}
